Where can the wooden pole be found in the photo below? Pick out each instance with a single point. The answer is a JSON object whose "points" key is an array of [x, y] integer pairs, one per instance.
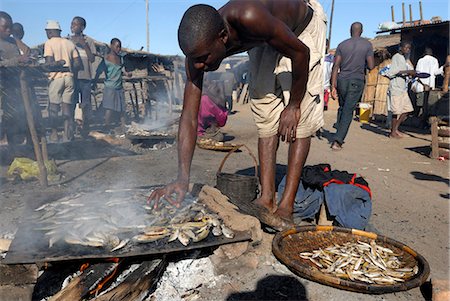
{"points": [[410, 15], [403, 14], [420, 10], [32, 128], [44, 149], [331, 25], [147, 23], [392, 13], [434, 137]]}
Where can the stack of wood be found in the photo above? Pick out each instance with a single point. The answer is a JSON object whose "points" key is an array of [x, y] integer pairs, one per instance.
{"points": [[440, 137], [375, 91]]}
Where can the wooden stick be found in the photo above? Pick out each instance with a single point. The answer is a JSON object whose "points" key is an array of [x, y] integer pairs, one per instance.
{"points": [[32, 128], [44, 149], [434, 137], [136, 113]]}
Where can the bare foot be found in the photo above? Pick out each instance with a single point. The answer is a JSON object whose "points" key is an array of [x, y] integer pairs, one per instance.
{"points": [[285, 214], [395, 135], [265, 203]]}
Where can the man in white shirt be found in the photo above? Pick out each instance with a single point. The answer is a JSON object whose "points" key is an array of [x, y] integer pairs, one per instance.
{"points": [[428, 64]]}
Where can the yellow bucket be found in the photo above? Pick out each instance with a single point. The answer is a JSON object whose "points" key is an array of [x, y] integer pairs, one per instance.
{"points": [[365, 110]]}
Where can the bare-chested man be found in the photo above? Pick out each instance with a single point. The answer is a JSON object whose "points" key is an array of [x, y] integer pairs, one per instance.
{"points": [[286, 43]]}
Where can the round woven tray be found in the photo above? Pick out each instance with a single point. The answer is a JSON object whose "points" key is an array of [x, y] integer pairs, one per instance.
{"points": [[225, 147], [288, 245]]}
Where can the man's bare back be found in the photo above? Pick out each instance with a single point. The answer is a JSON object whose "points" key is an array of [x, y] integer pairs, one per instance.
{"points": [[250, 22]]}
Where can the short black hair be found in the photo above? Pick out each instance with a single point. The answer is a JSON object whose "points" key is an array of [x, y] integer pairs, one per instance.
{"points": [[115, 40], [6, 16], [81, 20], [404, 43], [17, 26], [200, 23]]}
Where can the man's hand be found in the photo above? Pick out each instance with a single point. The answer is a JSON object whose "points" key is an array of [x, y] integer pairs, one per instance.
{"points": [[288, 123], [179, 188], [334, 93]]}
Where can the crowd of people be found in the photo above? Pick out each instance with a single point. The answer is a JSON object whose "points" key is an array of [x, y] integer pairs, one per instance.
{"points": [[70, 83]]}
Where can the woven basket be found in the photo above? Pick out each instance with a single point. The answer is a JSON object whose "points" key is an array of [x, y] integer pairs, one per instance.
{"points": [[241, 188], [288, 245]]}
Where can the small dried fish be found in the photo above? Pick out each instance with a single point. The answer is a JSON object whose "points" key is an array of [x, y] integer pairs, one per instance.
{"points": [[362, 261]]}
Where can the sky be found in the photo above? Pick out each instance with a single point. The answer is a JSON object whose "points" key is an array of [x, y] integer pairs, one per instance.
{"points": [[126, 19]]}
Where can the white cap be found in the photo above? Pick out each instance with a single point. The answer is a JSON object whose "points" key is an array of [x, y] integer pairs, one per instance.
{"points": [[52, 24], [227, 66]]}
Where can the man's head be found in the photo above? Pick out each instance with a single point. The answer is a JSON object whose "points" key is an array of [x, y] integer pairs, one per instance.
{"points": [[202, 37], [405, 48], [428, 51], [17, 31], [5, 25], [116, 46], [356, 29], [78, 25], [53, 29]]}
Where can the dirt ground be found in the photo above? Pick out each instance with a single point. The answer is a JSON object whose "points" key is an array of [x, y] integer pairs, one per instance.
{"points": [[410, 199]]}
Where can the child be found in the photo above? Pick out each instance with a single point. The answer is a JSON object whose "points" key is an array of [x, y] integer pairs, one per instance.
{"points": [[113, 94]]}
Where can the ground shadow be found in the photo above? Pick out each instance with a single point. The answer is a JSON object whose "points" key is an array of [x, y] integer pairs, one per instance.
{"points": [[380, 129], [324, 133], [227, 137], [375, 128], [274, 287], [74, 150], [280, 172], [421, 150], [429, 177], [82, 173]]}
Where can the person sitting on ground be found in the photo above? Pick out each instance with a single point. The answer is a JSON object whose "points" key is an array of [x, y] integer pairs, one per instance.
{"points": [[284, 39], [61, 84], [212, 114], [398, 89], [113, 94]]}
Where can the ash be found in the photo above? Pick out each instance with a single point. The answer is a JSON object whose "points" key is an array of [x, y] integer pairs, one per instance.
{"points": [[181, 280]]}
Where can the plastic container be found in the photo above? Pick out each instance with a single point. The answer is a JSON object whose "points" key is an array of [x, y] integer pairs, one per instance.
{"points": [[365, 110]]}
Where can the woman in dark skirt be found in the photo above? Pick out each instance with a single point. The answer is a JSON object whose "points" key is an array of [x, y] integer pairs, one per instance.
{"points": [[113, 94]]}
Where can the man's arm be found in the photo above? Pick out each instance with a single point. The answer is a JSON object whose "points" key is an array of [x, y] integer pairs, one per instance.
{"points": [[22, 46], [334, 75], [187, 135]]}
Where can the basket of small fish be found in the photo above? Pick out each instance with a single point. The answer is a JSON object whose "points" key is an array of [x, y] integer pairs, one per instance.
{"points": [[350, 259], [238, 187]]}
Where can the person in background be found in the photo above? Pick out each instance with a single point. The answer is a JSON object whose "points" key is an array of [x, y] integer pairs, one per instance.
{"points": [[61, 84], [229, 84], [18, 33], [212, 114], [327, 69], [398, 89], [113, 94], [13, 120], [422, 86], [352, 57], [83, 82]]}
